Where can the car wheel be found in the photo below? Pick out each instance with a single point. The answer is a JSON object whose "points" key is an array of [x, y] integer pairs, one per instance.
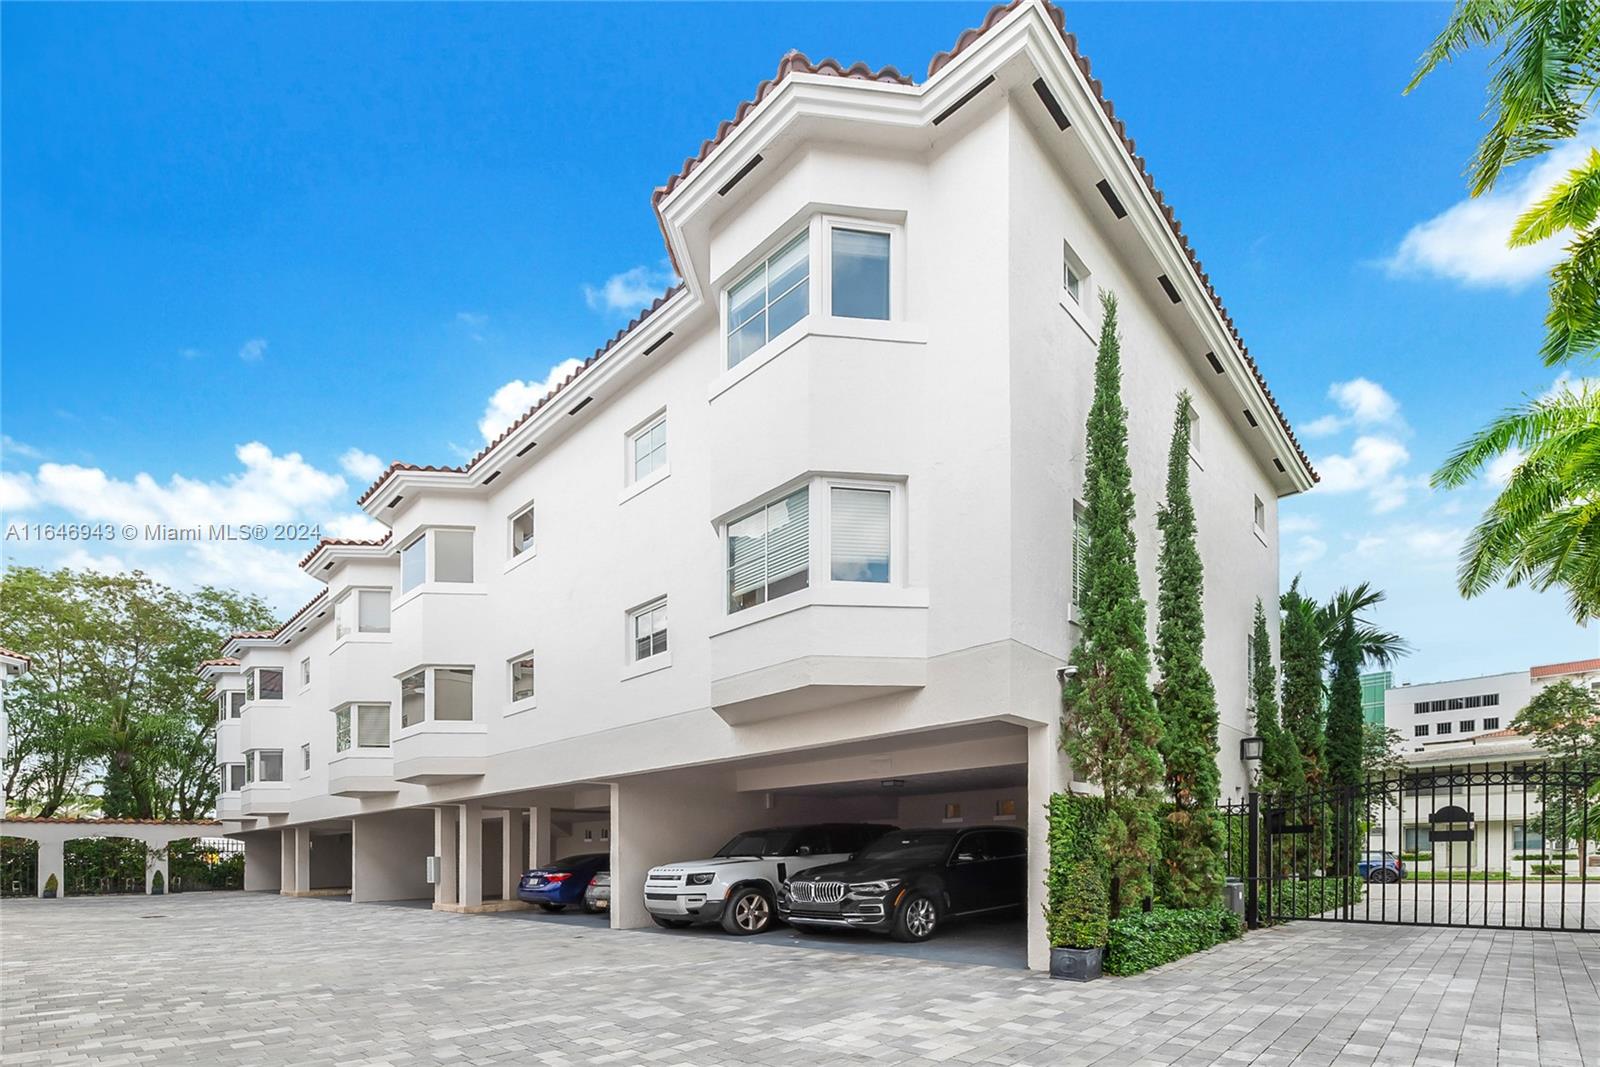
{"points": [[1383, 875], [669, 924], [553, 907], [918, 918], [748, 911]]}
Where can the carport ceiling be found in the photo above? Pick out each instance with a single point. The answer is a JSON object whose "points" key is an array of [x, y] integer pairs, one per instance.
{"points": [[873, 745], [980, 778]]}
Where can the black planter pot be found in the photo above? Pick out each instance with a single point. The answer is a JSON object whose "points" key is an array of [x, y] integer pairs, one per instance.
{"points": [[1076, 964], [156, 891], [49, 894]]}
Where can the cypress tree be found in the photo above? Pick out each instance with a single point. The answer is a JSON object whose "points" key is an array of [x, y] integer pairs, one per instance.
{"points": [[1110, 727], [1191, 864], [1281, 770], [1344, 743], [1302, 682]]}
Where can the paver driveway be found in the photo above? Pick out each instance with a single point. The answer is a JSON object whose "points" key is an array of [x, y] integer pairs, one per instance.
{"points": [[237, 979]]}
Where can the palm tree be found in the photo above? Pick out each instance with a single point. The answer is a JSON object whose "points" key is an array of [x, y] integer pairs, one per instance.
{"points": [[1542, 529], [1348, 605], [1573, 320]]}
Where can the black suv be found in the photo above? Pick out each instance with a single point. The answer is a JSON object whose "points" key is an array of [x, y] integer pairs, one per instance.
{"points": [[909, 882]]}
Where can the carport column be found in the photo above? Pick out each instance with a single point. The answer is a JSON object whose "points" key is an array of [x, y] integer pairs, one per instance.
{"points": [[509, 871], [1047, 775], [302, 860], [470, 862], [156, 860], [539, 837], [286, 864], [445, 835], [53, 860]]}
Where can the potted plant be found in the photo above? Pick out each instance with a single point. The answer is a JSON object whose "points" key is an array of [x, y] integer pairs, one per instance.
{"points": [[1078, 929], [50, 887], [157, 884]]}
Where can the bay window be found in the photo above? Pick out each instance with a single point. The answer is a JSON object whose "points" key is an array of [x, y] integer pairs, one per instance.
{"points": [[772, 297], [341, 729], [413, 698], [235, 777], [361, 611], [769, 551], [439, 694], [860, 528], [263, 765], [361, 725], [860, 268], [438, 555], [414, 564], [264, 683]]}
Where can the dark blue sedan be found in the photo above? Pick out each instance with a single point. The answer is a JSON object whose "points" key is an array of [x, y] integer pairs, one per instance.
{"points": [[558, 884]]}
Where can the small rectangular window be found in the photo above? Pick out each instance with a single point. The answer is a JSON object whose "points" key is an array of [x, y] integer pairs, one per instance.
{"points": [[235, 703], [860, 540], [271, 765], [648, 449], [373, 611], [1468, 725], [249, 768], [235, 777], [414, 564], [952, 812], [1422, 729], [649, 631], [452, 555], [522, 678], [769, 551], [452, 694], [1260, 515], [1074, 275], [372, 725], [1005, 809], [341, 730], [413, 698], [1421, 707], [305, 672], [305, 757], [1491, 700], [770, 299], [860, 284], [1526, 837], [1441, 729], [269, 683], [522, 531], [1080, 552], [1491, 723]]}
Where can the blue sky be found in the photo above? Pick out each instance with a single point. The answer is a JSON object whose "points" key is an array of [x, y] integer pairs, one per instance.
{"points": [[251, 252]]}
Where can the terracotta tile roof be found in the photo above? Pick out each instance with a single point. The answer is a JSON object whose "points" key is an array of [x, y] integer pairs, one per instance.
{"points": [[1577, 666], [261, 635], [16, 655], [354, 542], [80, 821], [796, 62], [598, 354], [1498, 735], [245, 635], [226, 661]]}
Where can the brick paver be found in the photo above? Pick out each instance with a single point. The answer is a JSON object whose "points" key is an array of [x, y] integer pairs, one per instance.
{"points": [[251, 979]]}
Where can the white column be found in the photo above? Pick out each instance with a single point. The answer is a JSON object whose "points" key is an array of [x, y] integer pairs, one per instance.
{"points": [[1047, 774], [302, 860], [53, 860], [539, 836], [286, 858], [510, 840], [470, 863], [445, 835]]}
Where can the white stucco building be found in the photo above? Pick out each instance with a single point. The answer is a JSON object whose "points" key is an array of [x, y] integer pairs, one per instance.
{"points": [[12, 665], [1441, 713], [797, 543]]}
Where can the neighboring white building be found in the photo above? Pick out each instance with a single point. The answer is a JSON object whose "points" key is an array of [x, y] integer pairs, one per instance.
{"points": [[797, 543], [1436, 713], [12, 665]]}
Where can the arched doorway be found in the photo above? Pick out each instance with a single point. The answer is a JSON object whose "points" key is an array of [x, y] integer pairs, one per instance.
{"points": [[99, 866], [19, 867]]}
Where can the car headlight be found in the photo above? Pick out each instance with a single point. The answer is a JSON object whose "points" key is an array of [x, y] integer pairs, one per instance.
{"points": [[873, 889], [700, 879]]}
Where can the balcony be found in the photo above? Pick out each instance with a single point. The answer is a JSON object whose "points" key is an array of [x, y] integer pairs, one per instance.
{"points": [[431, 752], [813, 650], [362, 772], [264, 798]]}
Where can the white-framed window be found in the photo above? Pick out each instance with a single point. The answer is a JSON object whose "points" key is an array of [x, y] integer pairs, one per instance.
{"points": [[1250, 668], [263, 765], [1491, 723], [522, 531], [522, 678], [437, 694], [1441, 728], [647, 448], [342, 732], [360, 726], [305, 672], [1258, 514], [647, 630], [361, 611], [235, 703], [264, 683], [770, 297], [305, 758], [235, 777], [1074, 277], [1194, 432], [859, 285], [1421, 730], [443, 554], [861, 528], [1080, 552], [769, 551]]}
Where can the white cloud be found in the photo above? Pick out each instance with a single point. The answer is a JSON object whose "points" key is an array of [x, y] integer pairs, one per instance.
{"points": [[16, 492], [363, 466], [1372, 466], [1306, 550], [10, 446], [357, 525], [474, 321], [190, 353], [629, 291], [1362, 403], [252, 350], [517, 396], [1467, 241], [1503, 466]]}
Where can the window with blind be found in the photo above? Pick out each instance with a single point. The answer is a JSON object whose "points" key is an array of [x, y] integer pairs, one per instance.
{"points": [[372, 725], [770, 299], [649, 631], [1080, 553], [860, 534], [769, 551]]}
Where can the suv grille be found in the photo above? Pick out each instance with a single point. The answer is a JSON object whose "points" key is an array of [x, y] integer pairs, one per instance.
{"points": [[816, 892]]}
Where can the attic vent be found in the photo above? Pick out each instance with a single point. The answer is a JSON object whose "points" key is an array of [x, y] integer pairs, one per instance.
{"points": [[1251, 419], [1216, 364], [1111, 199], [1166, 287], [395, 501], [658, 342], [1279, 464], [1048, 99], [328, 566], [580, 405], [965, 98], [525, 449], [491, 477], [755, 161]]}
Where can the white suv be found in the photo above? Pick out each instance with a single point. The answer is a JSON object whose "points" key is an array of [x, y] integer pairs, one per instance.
{"points": [[738, 886]]}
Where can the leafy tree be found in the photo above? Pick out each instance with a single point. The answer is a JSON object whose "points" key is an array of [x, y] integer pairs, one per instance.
{"points": [[1564, 722], [112, 699], [1381, 751], [1540, 530], [1191, 847], [1111, 729]]}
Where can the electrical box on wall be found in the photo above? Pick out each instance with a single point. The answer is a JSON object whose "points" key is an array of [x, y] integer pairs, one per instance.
{"points": [[433, 870]]}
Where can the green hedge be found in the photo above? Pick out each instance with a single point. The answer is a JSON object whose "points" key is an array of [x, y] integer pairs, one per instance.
{"points": [[1299, 898], [1075, 824], [1417, 857], [1542, 857], [1143, 940]]}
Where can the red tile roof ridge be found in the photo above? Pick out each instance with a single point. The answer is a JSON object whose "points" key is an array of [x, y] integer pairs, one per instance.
{"points": [[345, 542], [79, 820], [16, 655], [249, 635], [225, 661], [1573, 666]]}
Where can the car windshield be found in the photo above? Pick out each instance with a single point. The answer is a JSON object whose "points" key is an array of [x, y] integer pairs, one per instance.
{"points": [[760, 843], [914, 847]]}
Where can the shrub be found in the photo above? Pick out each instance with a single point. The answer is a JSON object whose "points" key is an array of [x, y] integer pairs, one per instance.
{"points": [[51, 884], [1301, 898], [1142, 940], [1547, 868], [1542, 856], [158, 884], [1075, 825], [1416, 857], [1079, 920]]}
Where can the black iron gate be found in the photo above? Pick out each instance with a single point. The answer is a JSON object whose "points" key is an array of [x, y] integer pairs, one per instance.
{"points": [[1512, 846]]}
